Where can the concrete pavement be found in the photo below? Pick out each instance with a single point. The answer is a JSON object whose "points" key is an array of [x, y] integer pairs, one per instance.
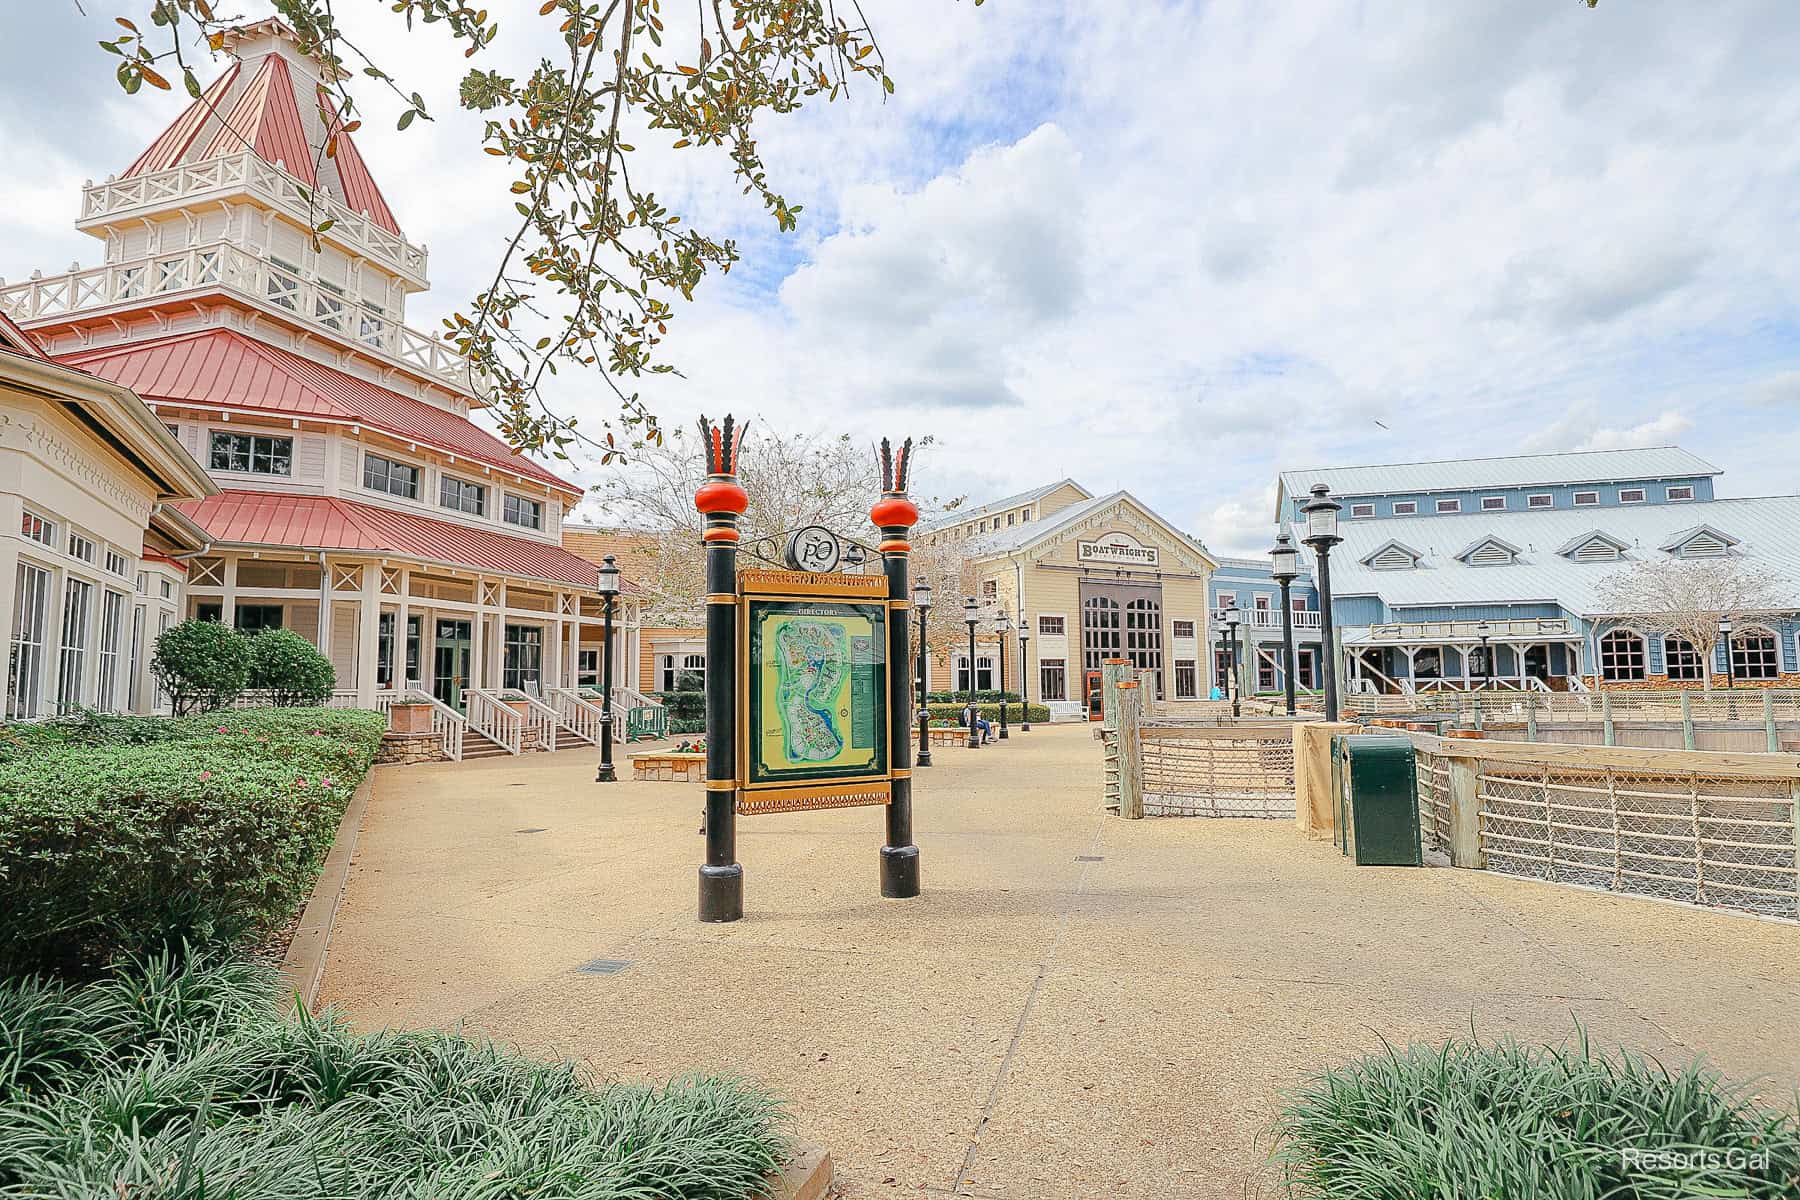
{"points": [[1077, 1007]]}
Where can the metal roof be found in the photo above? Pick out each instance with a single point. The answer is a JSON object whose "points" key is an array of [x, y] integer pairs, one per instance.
{"points": [[221, 368], [1524, 470], [961, 515], [1764, 528], [248, 518], [1015, 537]]}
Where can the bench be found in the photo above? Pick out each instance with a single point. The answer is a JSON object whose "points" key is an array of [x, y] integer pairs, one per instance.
{"points": [[950, 735]]}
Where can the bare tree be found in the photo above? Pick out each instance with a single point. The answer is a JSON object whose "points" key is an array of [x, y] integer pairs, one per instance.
{"points": [[1687, 598], [793, 480]]}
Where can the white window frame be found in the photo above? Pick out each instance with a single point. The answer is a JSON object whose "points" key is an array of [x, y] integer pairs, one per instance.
{"points": [[212, 449], [30, 640], [1669, 493], [1445, 507], [1493, 504], [1540, 500], [1593, 499], [1636, 495], [1362, 510], [446, 479], [509, 501], [1193, 627], [984, 667], [112, 635], [389, 462], [1062, 625], [35, 527], [1406, 508], [1192, 665], [75, 625]]}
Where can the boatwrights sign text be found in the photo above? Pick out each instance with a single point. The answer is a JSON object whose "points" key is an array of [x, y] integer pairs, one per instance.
{"points": [[1116, 550]]}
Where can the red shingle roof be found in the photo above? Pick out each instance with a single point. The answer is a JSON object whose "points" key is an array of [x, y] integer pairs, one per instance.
{"points": [[220, 368], [247, 518]]}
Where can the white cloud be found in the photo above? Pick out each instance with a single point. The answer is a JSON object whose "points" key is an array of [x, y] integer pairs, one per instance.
{"points": [[1658, 431]]}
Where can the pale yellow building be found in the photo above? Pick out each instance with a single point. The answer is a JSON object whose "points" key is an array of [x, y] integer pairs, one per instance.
{"points": [[1092, 578]]}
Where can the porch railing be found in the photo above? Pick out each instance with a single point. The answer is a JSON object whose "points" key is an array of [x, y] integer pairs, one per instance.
{"points": [[579, 715], [446, 722], [542, 720], [493, 719], [1270, 618]]}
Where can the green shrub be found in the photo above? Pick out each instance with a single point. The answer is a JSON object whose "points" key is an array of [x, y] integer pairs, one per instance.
{"points": [[687, 725], [183, 1079], [116, 838], [981, 694], [688, 701], [1502, 1119], [202, 665], [289, 668], [951, 714]]}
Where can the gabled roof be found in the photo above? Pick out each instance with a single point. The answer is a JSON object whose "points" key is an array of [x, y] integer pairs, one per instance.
{"points": [[1473, 474], [963, 515], [249, 518], [1018, 537], [15, 339], [1683, 537], [267, 104], [629, 548], [223, 369], [1593, 535], [1464, 554], [1392, 544]]}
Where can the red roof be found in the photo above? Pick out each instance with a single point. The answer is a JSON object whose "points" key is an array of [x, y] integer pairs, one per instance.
{"points": [[221, 368], [266, 119], [173, 142], [330, 523], [17, 340], [360, 193]]}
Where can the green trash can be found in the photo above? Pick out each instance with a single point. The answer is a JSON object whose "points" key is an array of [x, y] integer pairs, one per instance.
{"points": [[1377, 790]]}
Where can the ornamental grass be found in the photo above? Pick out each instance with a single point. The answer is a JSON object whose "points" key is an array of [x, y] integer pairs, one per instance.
{"points": [[1503, 1120], [176, 1077]]}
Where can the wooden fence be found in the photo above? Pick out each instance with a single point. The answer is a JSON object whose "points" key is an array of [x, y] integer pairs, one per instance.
{"points": [[1707, 828]]}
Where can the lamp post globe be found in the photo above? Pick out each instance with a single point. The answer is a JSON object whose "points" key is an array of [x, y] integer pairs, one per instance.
{"points": [[922, 602], [1003, 626], [1024, 678], [972, 618], [1284, 567], [608, 585], [1321, 513]]}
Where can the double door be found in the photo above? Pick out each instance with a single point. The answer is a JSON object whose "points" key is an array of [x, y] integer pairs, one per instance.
{"points": [[450, 660]]}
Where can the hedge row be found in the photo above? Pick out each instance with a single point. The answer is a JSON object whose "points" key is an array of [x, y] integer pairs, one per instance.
{"points": [[129, 834], [951, 714]]}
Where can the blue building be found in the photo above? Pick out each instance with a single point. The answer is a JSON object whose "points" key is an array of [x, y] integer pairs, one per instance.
{"points": [[1443, 560], [1245, 584]]}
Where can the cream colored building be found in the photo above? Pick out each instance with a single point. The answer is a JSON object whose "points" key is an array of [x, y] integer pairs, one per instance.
{"points": [[1094, 577]]}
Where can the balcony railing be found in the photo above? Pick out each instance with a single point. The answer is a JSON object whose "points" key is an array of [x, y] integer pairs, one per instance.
{"points": [[1270, 618], [1472, 631], [217, 266], [246, 172]]}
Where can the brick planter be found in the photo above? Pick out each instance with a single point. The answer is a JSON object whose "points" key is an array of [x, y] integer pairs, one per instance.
{"points": [[669, 767], [403, 748]]}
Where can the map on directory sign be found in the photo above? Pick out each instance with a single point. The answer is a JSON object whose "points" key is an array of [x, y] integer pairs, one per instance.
{"points": [[818, 690]]}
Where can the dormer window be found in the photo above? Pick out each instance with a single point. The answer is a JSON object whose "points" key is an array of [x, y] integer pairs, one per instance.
{"points": [[1702, 541], [1392, 556], [1593, 546], [1489, 552]]}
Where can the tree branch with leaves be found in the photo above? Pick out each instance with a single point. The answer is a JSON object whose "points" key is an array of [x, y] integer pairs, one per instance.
{"points": [[1688, 597]]}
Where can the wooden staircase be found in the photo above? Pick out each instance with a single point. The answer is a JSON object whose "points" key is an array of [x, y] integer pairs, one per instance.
{"points": [[478, 745]]}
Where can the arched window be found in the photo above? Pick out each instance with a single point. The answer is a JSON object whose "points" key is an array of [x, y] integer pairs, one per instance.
{"points": [[1100, 636], [1621, 656], [1754, 654], [1681, 660], [1143, 637]]}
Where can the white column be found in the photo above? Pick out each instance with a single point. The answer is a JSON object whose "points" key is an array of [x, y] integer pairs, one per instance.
{"points": [[325, 608], [553, 634], [477, 642], [403, 614], [228, 605], [368, 635]]}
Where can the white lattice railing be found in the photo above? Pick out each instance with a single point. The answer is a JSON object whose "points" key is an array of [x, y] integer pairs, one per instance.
{"points": [[495, 720], [192, 183], [579, 715], [224, 265]]}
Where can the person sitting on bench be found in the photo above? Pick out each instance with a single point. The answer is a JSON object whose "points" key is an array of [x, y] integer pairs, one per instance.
{"points": [[971, 716]]}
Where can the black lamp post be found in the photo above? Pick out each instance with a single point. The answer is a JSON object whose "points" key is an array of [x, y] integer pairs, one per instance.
{"points": [[609, 596], [1221, 654], [1285, 569], [1004, 627], [1730, 667], [922, 602], [1233, 618], [1321, 534], [1024, 680], [1484, 631], [972, 618]]}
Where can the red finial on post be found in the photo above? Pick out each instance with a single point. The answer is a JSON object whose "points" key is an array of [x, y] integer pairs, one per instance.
{"points": [[720, 499], [894, 514]]}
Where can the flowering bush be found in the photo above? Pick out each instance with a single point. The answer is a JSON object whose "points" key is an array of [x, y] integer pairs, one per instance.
{"points": [[127, 834]]}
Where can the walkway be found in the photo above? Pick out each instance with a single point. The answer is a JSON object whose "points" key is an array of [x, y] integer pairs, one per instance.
{"points": [[1078, 1007]]}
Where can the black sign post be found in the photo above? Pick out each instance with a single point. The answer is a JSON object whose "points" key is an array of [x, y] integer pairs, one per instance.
{"points": [[722, 501], [895, 515]]}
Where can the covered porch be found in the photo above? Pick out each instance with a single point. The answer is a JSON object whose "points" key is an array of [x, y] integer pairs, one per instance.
{"points": [[1531, 654]]}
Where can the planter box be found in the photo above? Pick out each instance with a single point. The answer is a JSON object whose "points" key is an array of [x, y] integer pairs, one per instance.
{"points": [[409, 718], [669, 767]]}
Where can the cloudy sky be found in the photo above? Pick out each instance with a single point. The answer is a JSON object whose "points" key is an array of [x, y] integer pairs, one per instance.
{"points": [[1170, 247]]}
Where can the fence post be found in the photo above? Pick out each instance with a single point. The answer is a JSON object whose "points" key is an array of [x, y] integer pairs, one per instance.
{"points": [[1477, 699], [1531, 718], [1687, 720], [1112, 670], [1606, 718], [1131, 752], [1770, 741], [1465, 814]]}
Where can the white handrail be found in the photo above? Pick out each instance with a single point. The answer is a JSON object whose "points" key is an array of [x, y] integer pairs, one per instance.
{"points": [[630, 697], [543, 719], [494, 720], [446, 722], [578, 714]]}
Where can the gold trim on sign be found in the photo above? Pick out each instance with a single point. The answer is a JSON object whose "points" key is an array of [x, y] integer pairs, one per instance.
{"points": [[721, 785], [811, 799], [798, 584], [721, 598]]}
